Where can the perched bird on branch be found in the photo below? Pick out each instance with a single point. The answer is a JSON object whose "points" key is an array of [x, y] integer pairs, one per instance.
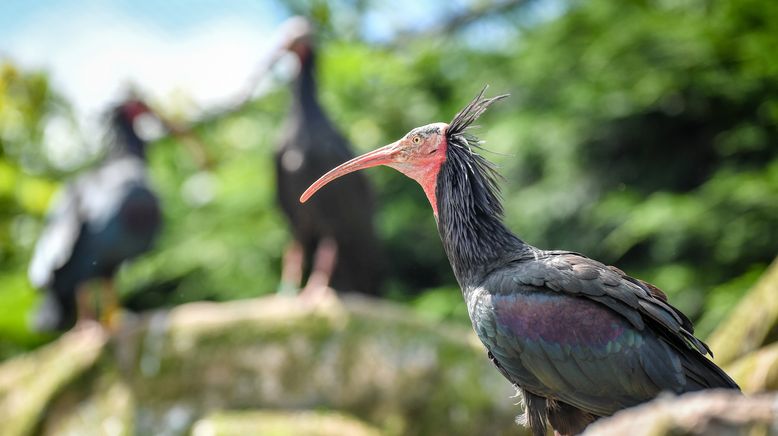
{"points": [[102, 218], [579, 339], [335, 241]]}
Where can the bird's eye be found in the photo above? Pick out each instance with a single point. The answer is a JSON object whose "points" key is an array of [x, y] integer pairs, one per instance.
{"points": [[416, 139]]}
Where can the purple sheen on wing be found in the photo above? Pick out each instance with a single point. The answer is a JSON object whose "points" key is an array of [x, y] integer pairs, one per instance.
{"points": [[560, 319]]}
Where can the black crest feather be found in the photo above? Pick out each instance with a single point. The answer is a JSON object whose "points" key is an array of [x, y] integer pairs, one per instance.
{"points": [[462, 150], [465, 118], [468, 195]]}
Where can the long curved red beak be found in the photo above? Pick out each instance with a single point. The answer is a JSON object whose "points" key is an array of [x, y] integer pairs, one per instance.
{"points": [[382, 156]]}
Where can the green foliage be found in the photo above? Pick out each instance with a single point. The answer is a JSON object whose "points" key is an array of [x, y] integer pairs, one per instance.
{"points": [[25, 99], [665, 138]]}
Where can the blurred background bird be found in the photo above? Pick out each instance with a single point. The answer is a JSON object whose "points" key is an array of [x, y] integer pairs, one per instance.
{"points": [[101, 219], [335, 241]]}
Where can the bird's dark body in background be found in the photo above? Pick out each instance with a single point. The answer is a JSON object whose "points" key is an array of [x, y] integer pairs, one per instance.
{"points": [[101, 219], [579, 339], [341, 220]]}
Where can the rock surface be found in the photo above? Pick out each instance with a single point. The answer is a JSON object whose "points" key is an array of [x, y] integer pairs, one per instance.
{"points": [[715, 413], [28, 383], [98, 404], [370, 359], [267, 423]]}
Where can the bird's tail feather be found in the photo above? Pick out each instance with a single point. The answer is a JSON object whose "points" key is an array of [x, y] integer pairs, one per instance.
{"points": [[566, 419], [535, 414], [702, 373]]}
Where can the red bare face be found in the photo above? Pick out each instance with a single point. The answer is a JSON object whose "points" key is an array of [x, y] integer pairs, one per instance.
{"points": [[134, 108], [418, 155], [301, 47]]}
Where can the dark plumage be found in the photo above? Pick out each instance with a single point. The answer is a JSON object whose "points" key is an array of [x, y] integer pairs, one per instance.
{"points": [[579, 339], [100, 219], [343, 214]]}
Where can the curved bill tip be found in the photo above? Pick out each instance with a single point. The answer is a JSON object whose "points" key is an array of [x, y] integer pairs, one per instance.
{"points": [[310, 191], [381, 156]]}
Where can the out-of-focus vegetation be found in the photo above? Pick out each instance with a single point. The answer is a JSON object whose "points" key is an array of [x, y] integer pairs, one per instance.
{"points": [[641, 133], [221, 365], [25, 103]]}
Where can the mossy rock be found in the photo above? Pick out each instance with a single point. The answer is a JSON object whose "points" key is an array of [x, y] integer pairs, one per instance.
{"points": [[371, 359], [713, 412], [28, 383], [98, 404], [281, 423]]}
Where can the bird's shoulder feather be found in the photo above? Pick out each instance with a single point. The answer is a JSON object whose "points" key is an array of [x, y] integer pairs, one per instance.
{"points": [[573, 349], [574, 274]]}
